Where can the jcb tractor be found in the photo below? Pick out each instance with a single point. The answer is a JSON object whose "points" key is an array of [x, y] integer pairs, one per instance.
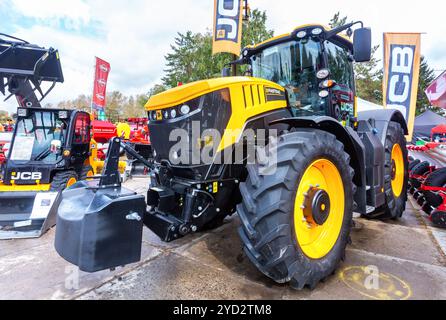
{"points": [[295, 222], [51, 149]]}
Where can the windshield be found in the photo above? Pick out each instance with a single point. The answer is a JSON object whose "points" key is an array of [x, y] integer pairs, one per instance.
{"points": [[34, 136], [294, 65]]}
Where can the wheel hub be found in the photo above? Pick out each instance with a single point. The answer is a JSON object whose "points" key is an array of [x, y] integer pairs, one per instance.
{"points": [[393, 169], [317, 206]]}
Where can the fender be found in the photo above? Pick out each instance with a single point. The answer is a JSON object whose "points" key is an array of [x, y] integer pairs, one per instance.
{"points": [[380, 120], [352, 144]]}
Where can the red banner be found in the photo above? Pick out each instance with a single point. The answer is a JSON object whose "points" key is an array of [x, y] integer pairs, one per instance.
{"points": [[100, 84]]}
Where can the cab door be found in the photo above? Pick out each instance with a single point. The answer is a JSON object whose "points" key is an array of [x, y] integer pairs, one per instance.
{"points": [[80, 138]]}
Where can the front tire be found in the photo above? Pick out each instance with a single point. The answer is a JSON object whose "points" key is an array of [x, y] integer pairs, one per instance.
{"points": [[63, 180], [311, 165]]}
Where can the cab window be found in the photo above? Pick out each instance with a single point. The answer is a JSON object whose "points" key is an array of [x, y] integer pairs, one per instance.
{"points": [[341, 71], [82, 129]]}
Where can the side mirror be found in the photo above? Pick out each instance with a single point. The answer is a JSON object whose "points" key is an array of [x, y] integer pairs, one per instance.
{"points": [[56, 147], [362, 45], [226, 72]]}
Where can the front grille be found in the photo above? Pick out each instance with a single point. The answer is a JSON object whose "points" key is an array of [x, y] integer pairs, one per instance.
{"points": [[211, 111]]}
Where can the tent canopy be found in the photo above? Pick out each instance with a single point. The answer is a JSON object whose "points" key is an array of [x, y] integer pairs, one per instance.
{"points": [[441, 129], [424, 124]]}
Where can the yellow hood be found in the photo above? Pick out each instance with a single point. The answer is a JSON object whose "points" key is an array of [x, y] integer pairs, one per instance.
{"points": [[193, 90]]}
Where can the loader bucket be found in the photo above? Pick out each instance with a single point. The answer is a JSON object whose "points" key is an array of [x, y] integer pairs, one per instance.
{"points": [[27, 214], [99, 228]]}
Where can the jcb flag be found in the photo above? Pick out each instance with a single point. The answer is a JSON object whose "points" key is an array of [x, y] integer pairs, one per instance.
{"points": [[227, 26], [401, 74]]}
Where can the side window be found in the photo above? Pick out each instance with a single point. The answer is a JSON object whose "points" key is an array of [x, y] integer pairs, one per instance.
{"points": [[341, 71], [82, 129]]}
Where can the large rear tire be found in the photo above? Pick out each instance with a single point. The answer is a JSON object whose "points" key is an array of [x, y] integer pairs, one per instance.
{"points": [[284, 241]]}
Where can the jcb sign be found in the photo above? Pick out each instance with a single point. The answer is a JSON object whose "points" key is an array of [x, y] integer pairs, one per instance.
{"points": [[26, 176], [227, 26], [400, 78], [402, 66]]}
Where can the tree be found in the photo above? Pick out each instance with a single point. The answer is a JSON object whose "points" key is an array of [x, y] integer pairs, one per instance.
{"points": [[427, 76], [156, 89], [368, 75], [337, 21], [191, 56]]}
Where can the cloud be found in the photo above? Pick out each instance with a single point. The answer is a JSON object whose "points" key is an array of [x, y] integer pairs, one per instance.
{"points": [[135, 35]]}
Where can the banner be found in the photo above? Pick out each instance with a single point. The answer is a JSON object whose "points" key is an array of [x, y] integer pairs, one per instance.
{"points": [[102, 71], [228, 18], [436, 92], [401, 74]]}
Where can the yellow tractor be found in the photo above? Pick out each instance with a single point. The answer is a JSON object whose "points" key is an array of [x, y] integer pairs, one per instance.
{"points": [[322, 160]]}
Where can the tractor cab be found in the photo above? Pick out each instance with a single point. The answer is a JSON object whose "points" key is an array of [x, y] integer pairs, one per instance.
{"points": [[315, 67]]}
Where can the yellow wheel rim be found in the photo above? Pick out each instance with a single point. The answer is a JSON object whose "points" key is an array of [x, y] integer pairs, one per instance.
{"points": [[397, 170], [315, 240], [71, 181], [90, 174]]}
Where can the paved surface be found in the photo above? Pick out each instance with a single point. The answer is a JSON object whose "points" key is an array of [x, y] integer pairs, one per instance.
{"points": [[398, 260]]}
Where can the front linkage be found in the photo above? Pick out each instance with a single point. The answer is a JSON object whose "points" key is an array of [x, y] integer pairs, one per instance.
{"points": [[108, 218]]}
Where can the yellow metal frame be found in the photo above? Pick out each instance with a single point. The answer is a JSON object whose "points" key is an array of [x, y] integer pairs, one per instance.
{"points": [[317, 241], [24, 188]]}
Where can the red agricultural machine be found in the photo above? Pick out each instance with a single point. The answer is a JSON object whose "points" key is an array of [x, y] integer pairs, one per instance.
{"points": [[427, 184], [139, 137]]}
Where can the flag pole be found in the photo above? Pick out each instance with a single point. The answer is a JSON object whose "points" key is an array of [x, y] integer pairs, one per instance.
{"points": [[92, 89]]}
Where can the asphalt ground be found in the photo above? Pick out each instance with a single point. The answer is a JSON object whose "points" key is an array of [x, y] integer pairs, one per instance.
{"points": [[393, 260]]}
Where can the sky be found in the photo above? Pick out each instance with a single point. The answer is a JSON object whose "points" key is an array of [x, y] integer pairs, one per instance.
{"points": [[135, 35]]}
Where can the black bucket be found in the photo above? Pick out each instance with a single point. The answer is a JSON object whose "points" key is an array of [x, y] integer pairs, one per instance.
{"points": [[27, 214]]}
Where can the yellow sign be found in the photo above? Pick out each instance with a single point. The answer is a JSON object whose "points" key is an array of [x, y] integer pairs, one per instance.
{"points": [[227, 34], [401, 74]]}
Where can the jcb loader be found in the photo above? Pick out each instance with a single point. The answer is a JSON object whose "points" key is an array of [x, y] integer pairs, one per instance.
{"points": [[51, 149], [295, 223]]}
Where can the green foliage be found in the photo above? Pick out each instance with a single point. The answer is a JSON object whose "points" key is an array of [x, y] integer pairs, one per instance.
{"points": [[191, 56], [427, 76], [118, 108], [337, 21], [369, 79]]}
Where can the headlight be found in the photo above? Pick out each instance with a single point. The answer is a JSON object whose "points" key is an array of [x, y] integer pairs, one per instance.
{"points": [[185, 109], [173, 113]]}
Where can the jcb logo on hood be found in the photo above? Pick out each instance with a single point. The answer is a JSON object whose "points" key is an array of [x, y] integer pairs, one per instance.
{"points": [[26, 176]]}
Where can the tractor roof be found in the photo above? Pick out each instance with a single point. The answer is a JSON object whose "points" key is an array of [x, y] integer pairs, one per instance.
{"points": [[289, 36]]}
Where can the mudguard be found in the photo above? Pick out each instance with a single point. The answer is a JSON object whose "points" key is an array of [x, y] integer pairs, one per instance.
{"points": [[382, 118]]}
